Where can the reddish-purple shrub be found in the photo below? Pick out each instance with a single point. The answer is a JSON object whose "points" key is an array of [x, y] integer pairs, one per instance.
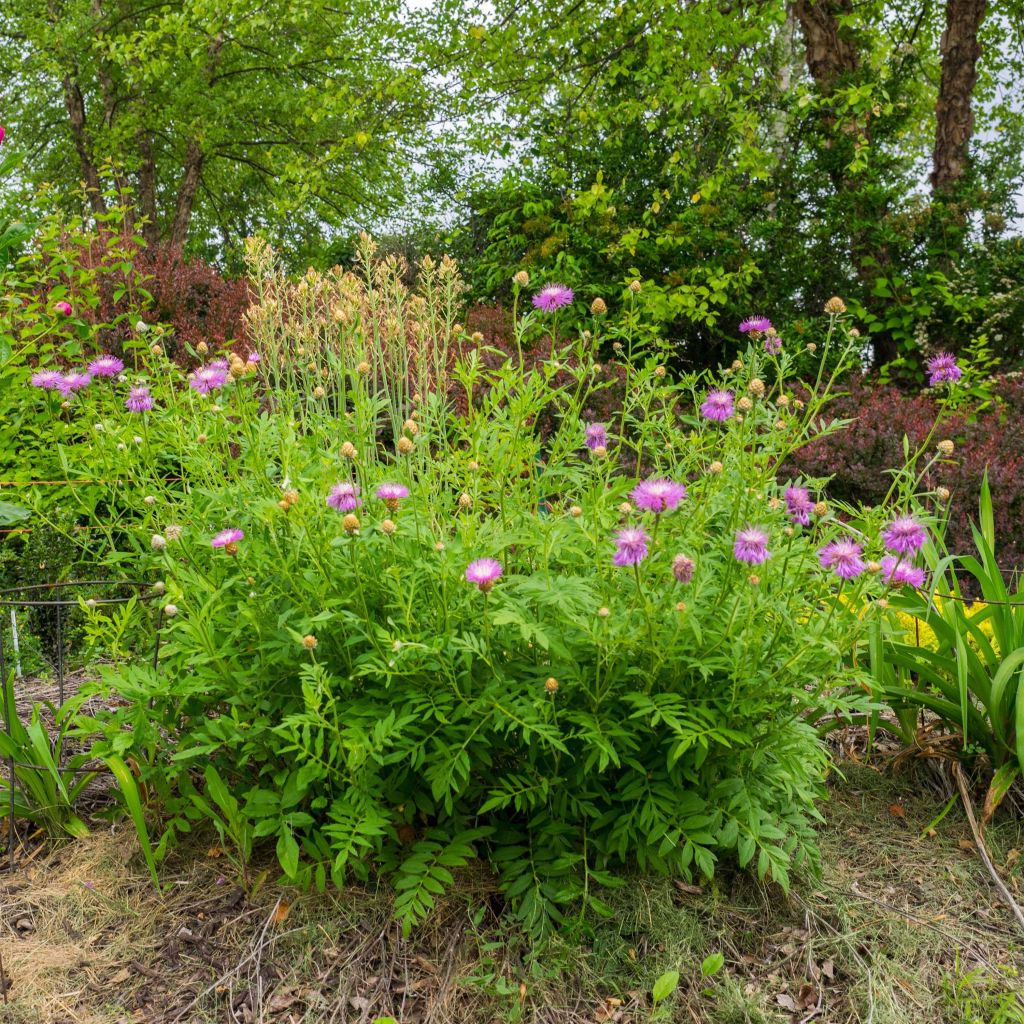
{"points": [[988, 438]]}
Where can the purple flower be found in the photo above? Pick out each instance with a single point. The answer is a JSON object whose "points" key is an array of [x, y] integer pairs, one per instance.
{"points": [[630, 546], [682, 568], [552, 297], [755, 325], [899, 573], [227, 539], [904, 535], [218, 364], [751, 545], [718, 405], [48, 380], [942, 367], [69, 382], [106, 366], [64, 308], [208, 378], [139, 400], [596, 436], [799, 505], [772, 343], [484, 572], [253, 358], [658, 495], [344, 497], [843, 557], [392, 492]]}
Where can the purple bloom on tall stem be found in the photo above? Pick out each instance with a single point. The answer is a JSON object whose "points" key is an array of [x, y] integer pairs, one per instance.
{"points": [[106, 366], [799, 505], [751, 546], [772, 343], [904, 535], [139, 400], [392, 494], [943, 367], [755, 325], [596, 436], [843, 557], [899, 573], [226, 538], [484, 572], [658, 495], [208, 378], [344, 497], [70, 382], [48, 380], [630, 546], [718, 405], [552, 297]]}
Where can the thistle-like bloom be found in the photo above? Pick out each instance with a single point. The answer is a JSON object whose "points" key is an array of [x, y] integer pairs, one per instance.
{"points": [[755, 325], [630, 546], [904, 535], [70, 382], [943, 367], [139, 400], [843, 557], [799, 505], [751, 546], [344, 497], [658, 495], [392, 494], [682, 568], [898, 573], [253, 358], [718, 406], [227, 538], [552, 297], [46, 379], [596, 436], [209, 378], [484, 572], [772, 343], [64, 308], [106, 366]]}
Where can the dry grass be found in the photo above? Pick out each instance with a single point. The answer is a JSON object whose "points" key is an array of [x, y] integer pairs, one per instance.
{"points": [[894, 926]]}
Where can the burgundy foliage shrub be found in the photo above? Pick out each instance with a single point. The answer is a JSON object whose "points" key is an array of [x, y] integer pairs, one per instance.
{"points": [[990, 437]]}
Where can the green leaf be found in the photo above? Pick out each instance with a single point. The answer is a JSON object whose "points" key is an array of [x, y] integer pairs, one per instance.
{"points": [[712, 964], [664, 986]]}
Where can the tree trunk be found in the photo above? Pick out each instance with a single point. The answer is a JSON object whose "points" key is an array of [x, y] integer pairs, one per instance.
{"points": [[187, 194], [75, 103], [829, 55], [954, 116]]}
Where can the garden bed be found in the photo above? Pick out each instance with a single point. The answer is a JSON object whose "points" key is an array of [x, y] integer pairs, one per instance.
{"points": [[898, 928]]}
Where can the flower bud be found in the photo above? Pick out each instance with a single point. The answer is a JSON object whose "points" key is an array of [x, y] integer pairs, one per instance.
{"points": [[551, 684], [404, 446], [465, 500], [756, 387], [411, 427], [744, 404], [603, 612], [521, 278], [942, 494], [811, 347], [575, 511], [170, 610], [439, 546], [387, 526], [660, 371], [159, 587], [625, 508], [347, 450], [783, 401], [202, 348], [716, 467], [350, 523], [157, 543], [156, 349], [635, 286], [945, 448], [681, 606], [363, 368], [835, 306], [473, 466], [820, 508], [149, 500], [753, 580], [598, 307], [309, 641]]}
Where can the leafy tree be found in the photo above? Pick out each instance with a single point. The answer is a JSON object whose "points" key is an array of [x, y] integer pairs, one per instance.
{"points": [[219, 117]]}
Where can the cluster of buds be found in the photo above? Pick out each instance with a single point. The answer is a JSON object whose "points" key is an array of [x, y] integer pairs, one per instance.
{"points": [[288, 499]]}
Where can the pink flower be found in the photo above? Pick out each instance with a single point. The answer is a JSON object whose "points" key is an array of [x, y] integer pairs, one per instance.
{"points": [[904, 535], [70, 382], [208, 378], [772, 343], [843, 557], [64, 308], [344, 497], [751, 545], [106, 366], [139, 400], [227, 538], [799, 505], [252, 358], [755, 325], [658, 495], [899, 573], [48, 380], [595, 436], [630, 546], [552, 297], [942, 367], [682, 568], [718, 406], [484, 572], [3, 133]]}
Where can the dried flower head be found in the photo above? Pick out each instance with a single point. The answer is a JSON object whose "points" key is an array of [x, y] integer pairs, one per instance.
{"points": [[157, 543], [835, 306], [173, 532]]}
